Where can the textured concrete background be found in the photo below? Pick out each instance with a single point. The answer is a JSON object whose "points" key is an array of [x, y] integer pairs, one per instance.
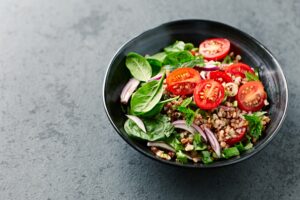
{"points": [[55, 139]]}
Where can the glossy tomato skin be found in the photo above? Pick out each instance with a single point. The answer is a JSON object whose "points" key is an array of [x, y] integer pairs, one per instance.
{"points": [[214, 48], [182, 81], [241, 132], [251, 96], [239, 69], [208, 94], [220, 76]]}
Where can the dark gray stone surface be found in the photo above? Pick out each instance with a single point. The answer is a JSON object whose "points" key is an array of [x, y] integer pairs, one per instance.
{"points": [[55, 139]]}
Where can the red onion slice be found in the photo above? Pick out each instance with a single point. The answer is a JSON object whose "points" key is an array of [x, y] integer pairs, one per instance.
{"points": [[207, 68], [138, 122], [185, 127], [192, 129], [199, 130], [161, 145], [203, 74], [156, 77], [213, 141], [129, 88]]}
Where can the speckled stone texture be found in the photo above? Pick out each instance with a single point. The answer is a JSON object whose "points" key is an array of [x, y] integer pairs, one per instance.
{"points": [[55, 139]]}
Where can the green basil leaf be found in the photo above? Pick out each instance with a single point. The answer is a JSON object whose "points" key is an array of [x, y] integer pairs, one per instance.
{"points": [[188, 46], [147, 96], [176, 47], [158, 56], [158, 128], [138, 66], [155, 65], [197, 62], [177, 58]]}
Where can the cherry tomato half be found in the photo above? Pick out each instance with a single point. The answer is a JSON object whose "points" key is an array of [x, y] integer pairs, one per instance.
{"points": [[182, 81], [220, 76], [240, 133], [208, 94], [251, 96], [215, 48], [239, 69]]}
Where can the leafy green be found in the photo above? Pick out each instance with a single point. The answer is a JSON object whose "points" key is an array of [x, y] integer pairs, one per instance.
{"points": [[189, 114], [169, 67], [255, 124], [179, 46], [197, 142], [157, 109], [158, 128], [201, 112], [177, 58], [146, 97], [138, 66], [174, 141], [230, 152], [181, 157], [176, 47], [188, 46], [158, 56], [196, 62], [256, 70], [251, 76], [206, 157], [242, 147], [186, 102], [155, 65], [227, 60]]}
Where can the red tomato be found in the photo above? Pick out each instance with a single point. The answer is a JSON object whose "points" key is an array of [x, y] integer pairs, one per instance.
{"points": [[208, 94], [251, 96], [240, 135], [182, 81], [220, 76], [215, 48], [239, 69]]}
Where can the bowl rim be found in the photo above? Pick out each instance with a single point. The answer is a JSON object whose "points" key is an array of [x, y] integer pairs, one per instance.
{"points": [[197, 165]]}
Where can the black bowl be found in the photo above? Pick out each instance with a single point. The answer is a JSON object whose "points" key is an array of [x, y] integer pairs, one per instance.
{"points": [[152, 41]]}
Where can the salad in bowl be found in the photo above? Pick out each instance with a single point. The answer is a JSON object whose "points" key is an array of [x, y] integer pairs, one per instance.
{"points": [[195, 103]]}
